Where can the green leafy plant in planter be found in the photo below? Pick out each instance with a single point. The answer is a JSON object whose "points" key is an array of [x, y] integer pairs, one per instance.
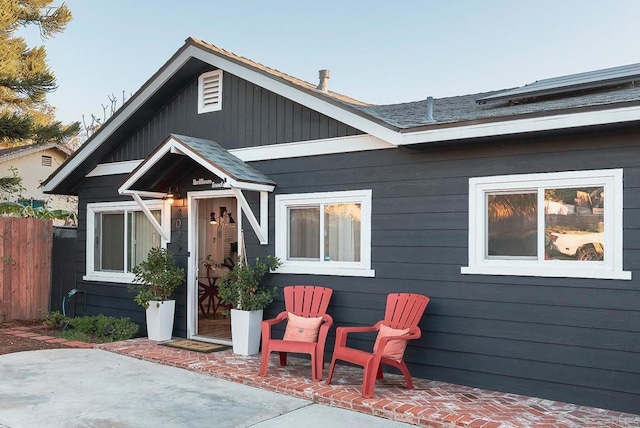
{"points": [[241, 288], [156, 278]]}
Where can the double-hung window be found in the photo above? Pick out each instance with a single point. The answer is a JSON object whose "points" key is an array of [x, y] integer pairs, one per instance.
{"points": [[324, 233], [119, 237], [565, 224]]}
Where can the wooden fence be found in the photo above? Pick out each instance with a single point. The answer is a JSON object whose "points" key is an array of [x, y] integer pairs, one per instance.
{"points": [[25, 267]]}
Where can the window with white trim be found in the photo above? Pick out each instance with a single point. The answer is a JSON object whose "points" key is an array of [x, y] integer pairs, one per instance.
{"points": [[564, 224], [210, 91], [325, 233], [119, 237]]}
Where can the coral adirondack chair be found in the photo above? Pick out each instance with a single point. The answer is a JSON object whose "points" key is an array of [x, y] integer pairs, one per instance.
{"points": [[400, 325], [307, 327]]}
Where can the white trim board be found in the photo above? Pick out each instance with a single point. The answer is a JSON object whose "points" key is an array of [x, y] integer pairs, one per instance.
{"points": [[519, 126], [327, 146]]}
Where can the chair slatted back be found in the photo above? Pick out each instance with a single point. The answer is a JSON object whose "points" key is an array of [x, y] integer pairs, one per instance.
{"points": [[307, 300], [404, 310]]}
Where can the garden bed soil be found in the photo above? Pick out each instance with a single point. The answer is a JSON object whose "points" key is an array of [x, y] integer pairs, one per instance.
{"points": [[10, 344]]}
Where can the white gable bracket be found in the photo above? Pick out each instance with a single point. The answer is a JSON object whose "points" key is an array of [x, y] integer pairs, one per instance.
{"points": [[136, 197], [261, 229]]}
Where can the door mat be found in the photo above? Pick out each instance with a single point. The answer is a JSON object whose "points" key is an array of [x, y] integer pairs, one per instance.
{"points": [[194, 345]]}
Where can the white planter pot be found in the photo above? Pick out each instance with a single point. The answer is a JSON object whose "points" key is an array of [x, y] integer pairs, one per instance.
{"points": [[245, 331], [160, 320]]}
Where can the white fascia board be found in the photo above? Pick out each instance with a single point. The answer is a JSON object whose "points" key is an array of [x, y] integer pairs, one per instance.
{"points": [[115, 122], [145, 166], [326, 146], [297, 95], [519, 126]]}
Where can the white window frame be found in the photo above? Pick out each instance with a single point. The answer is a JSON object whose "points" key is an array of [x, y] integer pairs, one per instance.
{"points": [[202, 108], [609, 268], [322, 267], [117, 207]]}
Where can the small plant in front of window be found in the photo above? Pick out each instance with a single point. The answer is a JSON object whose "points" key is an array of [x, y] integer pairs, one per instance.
{"points": [[241, 287], [156, 278]]}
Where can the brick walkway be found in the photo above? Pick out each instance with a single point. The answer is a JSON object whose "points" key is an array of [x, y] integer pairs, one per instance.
{"points": [[26, 332], [430, 404]]}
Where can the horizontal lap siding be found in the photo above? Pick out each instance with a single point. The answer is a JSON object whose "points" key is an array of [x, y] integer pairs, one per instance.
{"points": [[114, 299], [567, 339], [250, 116]]}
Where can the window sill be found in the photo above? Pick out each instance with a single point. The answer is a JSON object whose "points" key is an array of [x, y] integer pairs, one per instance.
{"points": [[321, 270], [547, 271], [104, 277]]}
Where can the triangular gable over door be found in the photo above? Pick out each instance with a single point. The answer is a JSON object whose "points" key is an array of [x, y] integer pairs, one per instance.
{"points": [[176, 150]]}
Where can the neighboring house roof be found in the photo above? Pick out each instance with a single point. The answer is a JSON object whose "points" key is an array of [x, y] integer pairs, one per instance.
{"points": [[455, 118], [21, 151]]}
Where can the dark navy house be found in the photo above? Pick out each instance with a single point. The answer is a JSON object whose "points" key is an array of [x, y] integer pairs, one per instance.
{"points": [[516, 211]]}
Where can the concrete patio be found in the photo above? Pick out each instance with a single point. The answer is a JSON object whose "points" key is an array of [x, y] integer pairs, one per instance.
{"points": [[429, 404]]}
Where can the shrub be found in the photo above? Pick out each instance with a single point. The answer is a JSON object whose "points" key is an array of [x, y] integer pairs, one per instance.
{"points": [[55, 320], [156, 277], [241, 287], [92, 328]]}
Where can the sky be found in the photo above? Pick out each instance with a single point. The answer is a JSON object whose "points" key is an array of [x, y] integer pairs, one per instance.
{"points": [[380, 52]]}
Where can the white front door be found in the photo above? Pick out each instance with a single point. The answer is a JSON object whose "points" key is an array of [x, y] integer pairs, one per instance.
{"points": [[214, 231]]}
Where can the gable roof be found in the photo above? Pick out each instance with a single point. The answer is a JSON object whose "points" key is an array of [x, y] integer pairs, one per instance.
{"points": [[232, 171], [399, 124]]}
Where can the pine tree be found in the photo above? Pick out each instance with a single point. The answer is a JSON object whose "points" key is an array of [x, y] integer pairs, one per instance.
{"points": [[25, 78]]}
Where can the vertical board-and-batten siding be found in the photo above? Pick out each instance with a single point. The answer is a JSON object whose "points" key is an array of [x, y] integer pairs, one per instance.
{"points": [[567, 339], [25, 267], [250, 116]]}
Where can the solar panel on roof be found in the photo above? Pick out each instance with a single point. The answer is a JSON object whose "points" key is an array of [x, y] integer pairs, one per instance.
{"points": [[574, 82]]}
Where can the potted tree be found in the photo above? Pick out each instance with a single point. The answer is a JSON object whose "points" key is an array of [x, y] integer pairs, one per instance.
{"points": [[241, 289], [155, 280]]}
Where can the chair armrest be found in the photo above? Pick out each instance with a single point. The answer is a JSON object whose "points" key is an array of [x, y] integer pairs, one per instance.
{"points": [[266, 325], [407, 337], [277, 320], [342, 332], [327, 320]]}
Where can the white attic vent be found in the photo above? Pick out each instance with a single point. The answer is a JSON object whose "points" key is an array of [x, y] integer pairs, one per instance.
{"points": [[210, 91]]}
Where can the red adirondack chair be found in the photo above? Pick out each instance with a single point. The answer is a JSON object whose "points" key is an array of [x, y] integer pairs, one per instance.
{"points": [[310, 304], [400, 325]]}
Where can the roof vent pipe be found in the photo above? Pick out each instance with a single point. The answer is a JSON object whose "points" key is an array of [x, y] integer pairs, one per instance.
{"points": [[324, 80], [430, 109]]}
